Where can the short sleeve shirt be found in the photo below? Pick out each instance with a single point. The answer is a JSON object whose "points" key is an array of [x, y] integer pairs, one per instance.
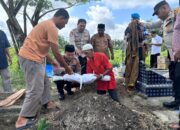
{"points": [[101, 44], [74, 64], [4, 44], [37, 44], [79, 39], [156, 49]]}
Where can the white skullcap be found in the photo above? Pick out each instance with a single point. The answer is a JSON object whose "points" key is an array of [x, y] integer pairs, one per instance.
{"points": [[87, 47]]}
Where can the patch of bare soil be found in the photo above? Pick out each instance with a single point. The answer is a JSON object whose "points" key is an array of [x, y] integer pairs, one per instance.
{"points": [[86, 110], [96, 112]]}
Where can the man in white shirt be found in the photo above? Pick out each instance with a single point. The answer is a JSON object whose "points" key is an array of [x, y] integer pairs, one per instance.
{"points": [[156, 43]]}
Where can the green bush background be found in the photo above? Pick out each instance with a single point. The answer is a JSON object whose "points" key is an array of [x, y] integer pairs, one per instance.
{"points": [[17, 75]]}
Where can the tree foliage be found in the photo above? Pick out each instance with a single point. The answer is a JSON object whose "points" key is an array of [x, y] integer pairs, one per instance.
{"points": [[41, 8], [62, 42]]}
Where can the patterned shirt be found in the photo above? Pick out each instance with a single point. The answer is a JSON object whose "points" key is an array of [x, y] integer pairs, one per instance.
{"points": [[101, 44], [74, 64], [167, 25], [79, 39]]}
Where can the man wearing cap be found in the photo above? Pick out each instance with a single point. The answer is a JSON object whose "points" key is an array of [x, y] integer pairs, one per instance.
{"points": [[134, 34], [99, 64], [102, 42], [79, 37], [167, 19], [73, 62]]}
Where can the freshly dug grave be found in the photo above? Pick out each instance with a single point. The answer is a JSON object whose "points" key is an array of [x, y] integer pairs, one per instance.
{"points": [[94, 112]]}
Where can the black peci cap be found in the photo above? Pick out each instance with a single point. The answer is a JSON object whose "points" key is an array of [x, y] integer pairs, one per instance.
{"points": [[101, 26], [158, 5]]}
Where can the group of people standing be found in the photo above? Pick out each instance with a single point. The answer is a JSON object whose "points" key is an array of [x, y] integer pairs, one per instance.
{"points": [[169, 22]]}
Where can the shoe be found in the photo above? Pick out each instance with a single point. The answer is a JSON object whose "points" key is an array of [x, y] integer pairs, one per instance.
{"points": [[171, 105], [70, 92], [61, 97]]}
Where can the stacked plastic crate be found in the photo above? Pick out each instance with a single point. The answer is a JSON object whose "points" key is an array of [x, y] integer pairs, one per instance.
{"points": [[153, 84]]}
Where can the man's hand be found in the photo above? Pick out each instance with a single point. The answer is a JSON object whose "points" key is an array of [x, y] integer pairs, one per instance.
{"points": [[69, 70], [99, 77], [78, 51], [177, 56]]}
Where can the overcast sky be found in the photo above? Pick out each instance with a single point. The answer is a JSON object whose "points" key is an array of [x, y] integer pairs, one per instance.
{"points": [[114, 13]]}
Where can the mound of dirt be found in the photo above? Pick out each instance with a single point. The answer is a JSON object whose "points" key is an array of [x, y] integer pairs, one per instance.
{"points": [[94, 112]]}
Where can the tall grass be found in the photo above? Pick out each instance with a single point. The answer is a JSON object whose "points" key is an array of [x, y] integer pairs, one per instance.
{"points": [[17, 76]]}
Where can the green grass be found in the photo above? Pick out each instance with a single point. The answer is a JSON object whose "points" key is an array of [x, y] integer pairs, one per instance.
{"points": [[17, 76], [118, 54], [42, 124], [163, 53]]}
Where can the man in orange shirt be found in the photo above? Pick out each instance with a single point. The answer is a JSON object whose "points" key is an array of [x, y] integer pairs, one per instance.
{"points": [[33, 55], [99, 64]]}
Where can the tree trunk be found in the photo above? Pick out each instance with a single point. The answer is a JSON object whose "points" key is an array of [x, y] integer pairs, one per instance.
{"points": [[13, 38], [17, 31]]}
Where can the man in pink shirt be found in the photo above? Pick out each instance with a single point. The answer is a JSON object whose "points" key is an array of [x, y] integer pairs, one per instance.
{"points": [[176, 72]]}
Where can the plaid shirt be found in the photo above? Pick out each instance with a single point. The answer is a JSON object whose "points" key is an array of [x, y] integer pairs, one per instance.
{"points": [[79, 39]]}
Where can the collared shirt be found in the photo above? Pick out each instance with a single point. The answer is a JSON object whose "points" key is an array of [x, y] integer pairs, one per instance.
{"points": [[98, 65], [37, 44], [74, 64], [156, 49], [167, 25], [79, 38], [101, 44], [4, 44], [176, 35]]}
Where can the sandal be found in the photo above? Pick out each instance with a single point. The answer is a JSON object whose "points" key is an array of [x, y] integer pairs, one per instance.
{"points": [[30, 123]]}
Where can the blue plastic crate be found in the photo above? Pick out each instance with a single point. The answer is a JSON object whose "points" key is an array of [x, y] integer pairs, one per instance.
{"points": [[49, 70]]}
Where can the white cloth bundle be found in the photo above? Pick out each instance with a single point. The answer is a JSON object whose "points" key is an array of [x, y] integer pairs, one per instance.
{"points": [[82, 79]]}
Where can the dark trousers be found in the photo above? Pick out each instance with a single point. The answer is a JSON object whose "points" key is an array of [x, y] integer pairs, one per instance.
{"points": [[83, 62], [63, 84], [112, 94], [154, 60], [141, 55], [176, 81]]}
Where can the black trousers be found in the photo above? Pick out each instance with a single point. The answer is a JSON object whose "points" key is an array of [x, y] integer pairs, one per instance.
{"points": [[83, 62], [141, 55], [112, 94], [176, 81], [154, 60], [63, 84]]}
